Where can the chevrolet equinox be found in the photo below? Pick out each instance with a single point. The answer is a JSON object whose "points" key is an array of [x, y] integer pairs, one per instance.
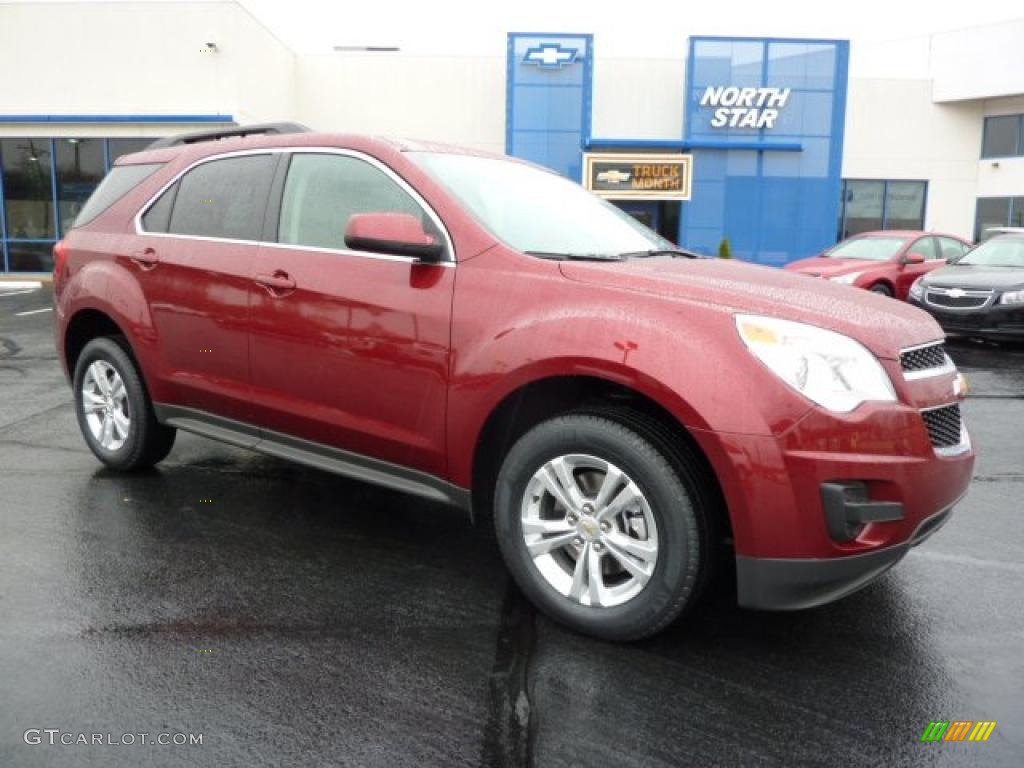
{"points": [[479, 331]]}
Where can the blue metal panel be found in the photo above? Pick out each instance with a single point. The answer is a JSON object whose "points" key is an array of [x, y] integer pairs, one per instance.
{"points": [[773, 189], [116, 119], [548, 98], [3, 219]]}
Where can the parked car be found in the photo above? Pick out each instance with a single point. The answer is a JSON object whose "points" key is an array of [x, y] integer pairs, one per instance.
{"points": [[476, 330], [982, 294], [886, 262]]}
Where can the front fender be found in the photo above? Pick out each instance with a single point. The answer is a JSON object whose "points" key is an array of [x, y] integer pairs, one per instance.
{"points": [[685, 356]]}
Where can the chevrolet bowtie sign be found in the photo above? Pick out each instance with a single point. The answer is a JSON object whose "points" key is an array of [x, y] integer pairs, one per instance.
{"points": [[639, 176], [550, 56]]}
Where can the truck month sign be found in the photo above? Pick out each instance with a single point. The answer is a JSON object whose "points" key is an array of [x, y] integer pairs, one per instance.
{"points": [[639, 176]]}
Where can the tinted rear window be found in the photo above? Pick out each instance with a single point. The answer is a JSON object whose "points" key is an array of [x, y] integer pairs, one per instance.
{"points": [[224, 198], [118, 183]]}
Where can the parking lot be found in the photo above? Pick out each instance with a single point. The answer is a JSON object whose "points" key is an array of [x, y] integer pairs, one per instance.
{"points": [[292, 617]]}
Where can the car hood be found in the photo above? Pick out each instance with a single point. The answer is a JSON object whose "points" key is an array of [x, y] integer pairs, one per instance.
{"points": [[971, 276], [823, 266], [881, 324]]}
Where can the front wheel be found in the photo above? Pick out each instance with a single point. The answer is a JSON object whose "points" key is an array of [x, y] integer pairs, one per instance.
{"points": [[882, 288], [598, 527], [114, 411]]}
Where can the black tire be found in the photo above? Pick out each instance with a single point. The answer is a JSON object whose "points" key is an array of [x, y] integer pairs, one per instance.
{"points": [[673, 498], [882, 289], [148, 442]]}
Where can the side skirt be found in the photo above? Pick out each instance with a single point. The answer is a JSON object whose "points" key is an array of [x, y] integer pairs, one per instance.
{"points": [[313, 454]]}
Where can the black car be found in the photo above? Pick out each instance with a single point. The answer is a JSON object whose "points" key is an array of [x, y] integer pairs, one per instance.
{"points": [[981, 294]]}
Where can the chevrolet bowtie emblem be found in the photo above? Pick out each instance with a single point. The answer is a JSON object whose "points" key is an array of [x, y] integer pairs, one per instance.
{"points": [[550, 56], [956, 293], [613, 176]]}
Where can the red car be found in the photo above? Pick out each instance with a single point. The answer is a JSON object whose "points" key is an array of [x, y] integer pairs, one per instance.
{"points": [[886, 262], [478, 331]]}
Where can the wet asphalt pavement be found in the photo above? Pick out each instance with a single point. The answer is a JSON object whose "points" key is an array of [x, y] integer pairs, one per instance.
{"points": [[294, 618]]}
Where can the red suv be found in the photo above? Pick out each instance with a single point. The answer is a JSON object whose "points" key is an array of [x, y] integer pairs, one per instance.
{"points": [[478, 331]]}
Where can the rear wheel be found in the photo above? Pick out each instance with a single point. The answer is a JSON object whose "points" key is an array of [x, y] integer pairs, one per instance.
{"points": [[598, 527], [114, 411]]}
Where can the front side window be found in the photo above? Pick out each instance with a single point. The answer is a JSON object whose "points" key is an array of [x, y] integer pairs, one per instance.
{"points": [[536, 211], [951, 249], [224, 198], [323, 191], [926, 246]]}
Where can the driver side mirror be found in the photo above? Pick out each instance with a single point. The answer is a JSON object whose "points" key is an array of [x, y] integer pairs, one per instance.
{"points": [[914, 258], [399, 234]]}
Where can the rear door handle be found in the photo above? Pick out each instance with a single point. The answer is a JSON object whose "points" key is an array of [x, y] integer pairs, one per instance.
{"points": [[146, 258], [278, 282]]}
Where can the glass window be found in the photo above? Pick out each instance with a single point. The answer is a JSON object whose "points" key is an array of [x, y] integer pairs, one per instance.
{"points": [[992, 212], [927, 247], [224, 198], [28, 191], [80, 168], [323, 191], [869, 205], [120, 147], [1017, 212], [904, 205], [868, 248], [29, 257], [1002, 136], [863, 207], [1004, 251], [116, 185], [538, 212], [950, 249], [158, 217]]}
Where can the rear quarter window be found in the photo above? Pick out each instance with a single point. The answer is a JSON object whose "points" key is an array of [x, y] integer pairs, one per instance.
{"points": [[121, 180]]}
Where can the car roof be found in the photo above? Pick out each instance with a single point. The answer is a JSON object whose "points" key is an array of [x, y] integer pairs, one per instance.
{"points": [[907, 233], [372, 144]]}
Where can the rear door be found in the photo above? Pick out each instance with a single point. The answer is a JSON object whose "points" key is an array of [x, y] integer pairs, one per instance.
{"points": [[351, 351], [194, 261]]}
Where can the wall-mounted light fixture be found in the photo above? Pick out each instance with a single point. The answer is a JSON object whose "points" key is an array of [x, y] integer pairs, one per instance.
{"points": [[370, 48]]}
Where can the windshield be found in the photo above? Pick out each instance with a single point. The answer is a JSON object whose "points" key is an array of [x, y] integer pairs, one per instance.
{"points": [[536, 211], [868, 248], [998, 252]]}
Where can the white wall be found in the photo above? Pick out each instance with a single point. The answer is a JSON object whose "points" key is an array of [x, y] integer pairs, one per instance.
{"points": [[442, 98], [978, 62], [638, 98], [895, 131], [139, 58]]}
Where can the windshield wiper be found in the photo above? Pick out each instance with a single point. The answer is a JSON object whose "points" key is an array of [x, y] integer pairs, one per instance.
{"points": [[659, 252], [577, 256]]}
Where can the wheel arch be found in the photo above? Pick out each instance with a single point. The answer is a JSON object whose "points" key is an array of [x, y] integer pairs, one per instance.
{"points": [[543, 398]]}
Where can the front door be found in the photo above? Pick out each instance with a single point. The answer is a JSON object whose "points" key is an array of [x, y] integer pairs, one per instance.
{"points": [[350, 349]]}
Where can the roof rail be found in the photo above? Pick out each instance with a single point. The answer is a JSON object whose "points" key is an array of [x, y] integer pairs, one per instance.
{"points": [[265, 129]]}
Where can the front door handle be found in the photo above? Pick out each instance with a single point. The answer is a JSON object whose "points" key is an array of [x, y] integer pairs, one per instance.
{"points": [[147, 258], [278, 283]]}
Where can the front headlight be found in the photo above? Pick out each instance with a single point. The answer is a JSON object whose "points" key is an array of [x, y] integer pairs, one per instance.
{"points": [[833, 370], [917, 289], [846, 279], [1012, 297]]}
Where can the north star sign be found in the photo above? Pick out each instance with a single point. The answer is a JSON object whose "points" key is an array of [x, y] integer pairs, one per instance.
{"points": [[744, 107]]}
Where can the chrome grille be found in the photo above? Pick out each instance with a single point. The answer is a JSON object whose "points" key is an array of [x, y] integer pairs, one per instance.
{"points": [[923, 358], [957, 298], [944, 425]]}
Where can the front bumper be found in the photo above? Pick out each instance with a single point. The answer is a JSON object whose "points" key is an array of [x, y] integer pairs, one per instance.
{"points": [[996, 321], [786, 584]]}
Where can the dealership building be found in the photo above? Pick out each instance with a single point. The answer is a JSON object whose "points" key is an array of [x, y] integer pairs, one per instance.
{"points": [[781, 146]]}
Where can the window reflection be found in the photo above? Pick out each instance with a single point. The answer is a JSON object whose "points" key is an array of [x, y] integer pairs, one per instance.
{"points": [[80, 169], [28, 191]]}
